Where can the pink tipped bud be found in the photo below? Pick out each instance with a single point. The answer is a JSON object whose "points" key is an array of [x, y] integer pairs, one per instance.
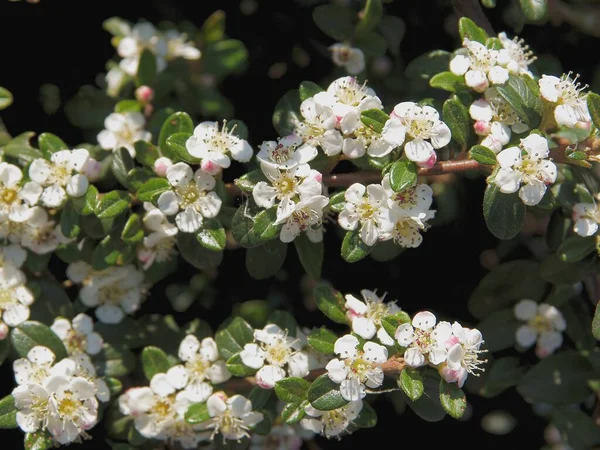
{"points": [[144, 94], [3, 331], [542, 352], [482, 127], [161, 165], [92, 170], [319, 177], [430, 162], [210, 167], [481, 87], [451, 376], [583, 125]]}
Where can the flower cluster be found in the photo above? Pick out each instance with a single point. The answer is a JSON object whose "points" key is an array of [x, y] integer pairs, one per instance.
{"points": [[544, 324], [586, 218], [15, 297], [567, 100]]}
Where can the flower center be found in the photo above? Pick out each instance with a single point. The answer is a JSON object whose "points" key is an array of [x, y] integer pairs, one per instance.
{"points": [[111, 295], [60, 175], [376, 311], [278, 352], [165, 249], [189, 194], [482, 59], [163, 409], [421, 125], [68, 406], [198, 367], [334, 419], [285, 185], [281, 153], [540, 323], [8, 196], [76, 342], [7, 297], [366, 210], [350, 92], [570, 89], [407, 198], [229, 425], [423, 340]]}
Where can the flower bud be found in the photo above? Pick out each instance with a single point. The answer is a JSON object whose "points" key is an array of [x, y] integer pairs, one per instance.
{"points": [[482, 127], [144, 94], [161, 165], [430, 162], [210, 167], [3, 331], [92, 170]]}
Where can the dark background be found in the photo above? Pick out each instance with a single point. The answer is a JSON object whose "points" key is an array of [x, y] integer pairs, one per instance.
{"points": [[62, 43]]}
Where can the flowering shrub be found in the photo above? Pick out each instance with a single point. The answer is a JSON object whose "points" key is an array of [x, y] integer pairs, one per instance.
{"points": [[92, 233]]}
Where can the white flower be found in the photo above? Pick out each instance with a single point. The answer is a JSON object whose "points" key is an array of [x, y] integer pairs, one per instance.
{"points": [[370, 211], [331, 423], [286, 186], [40, 234], [15, 201], [36, 367], [179, 47], [278, 350], [318, 127], [202, 368], [214, 146], [231, 417], [566, 93], [526, 169], [286, 153], [515, 55], [586, 217], [130, 48], [78, 335], [12, 256], [356, 368], [350, 58], [479, 65], [114, 291], [409, 213], [122, 130], [424, 338], [463, 354], [31, 402], [62, 176], [366, 315], [84, 367], [72, 407], [307, 216], [544, 324], [423, 125], [366, 140], [159, 244], [115, 79], [192, 198], [15, 297]]}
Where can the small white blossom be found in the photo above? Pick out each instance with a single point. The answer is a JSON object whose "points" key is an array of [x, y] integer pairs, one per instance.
{"points": [[273, 351], [423, 125], [15, 201], [159, 245], [178, 46], [12, 256], [515, 55], [62, 176], [566, 93], [31, 402], [366, 140], [192, 197], [36, 367], [214, 146], [318, 127], [286, 153], [286, 186], [331, 423], [366, 315], [526, 169], [201, 369], [586, 218], [356, 368], [371, 211], [130, 48], [424, 339], [543, 323], [123, 130], [231, 417], [78, 335], [463, 354], [479, 65], [116, 79], [350, 58], [15, 297], [40, 234], [307, 217]]}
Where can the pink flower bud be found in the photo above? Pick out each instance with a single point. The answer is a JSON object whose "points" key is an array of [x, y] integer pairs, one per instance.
{"points": [[583, 125], [430, 162], [210, 167], [161, 165], [3, 331], [542, 352], [144, 94], [319, 177], [482, 127], [451, 376], [92, 170]]}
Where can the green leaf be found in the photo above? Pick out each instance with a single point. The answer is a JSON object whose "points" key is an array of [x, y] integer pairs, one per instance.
{"points": [[121, 164], [128, 105], [112, 251], [367, 418], [392, 322], [212, 235], [335, 21], [310, 255], [196, 254], [177, 146], [112, 204], [151, 189], [411, 382], [31, 333], [69, 220], [154, 361], [330, 302], [428, 407], [146, 153], [287, 111], [501, 375], [266, 260], [558, 379], [500, 328], [308, 89], [448, 82], [576, 248], [114, 386], [232, 338], [133, 231], [197, 413], [483, 155], [370, 16], [40, 440], [393, 29], [425, 66], [146, 73], [6, 98], [534, 10], [337, 201], [259, 397], [504, 213], [456, 116], [225, 57], [284, 320], [353, 247], [49, 143], [294, 412], [579, 431], [51, 303], [374, 118], [596, 322], [20, 148], [8, 413], [237, 368], [247, 181], [322, 340], [251, 229], [372, 44], [90, 201], [178, 122], [403, 174], [523, 96], [255, 312], [325, 395], [114, 360], [593, 104], [452, 399], [292, 389], [468, 29]]}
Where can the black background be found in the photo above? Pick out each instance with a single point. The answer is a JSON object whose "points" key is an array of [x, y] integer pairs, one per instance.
{"points": [[63, 43]]}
